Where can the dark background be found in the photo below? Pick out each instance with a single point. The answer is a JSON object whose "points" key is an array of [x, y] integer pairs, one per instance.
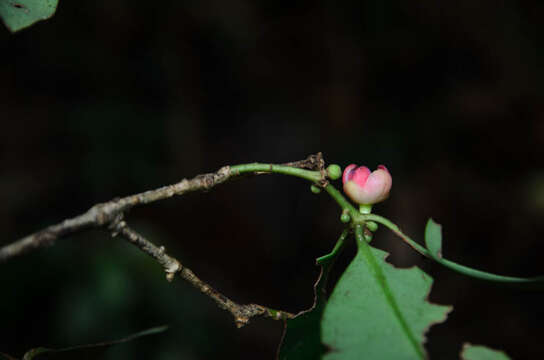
{"points": [[110, 98]]}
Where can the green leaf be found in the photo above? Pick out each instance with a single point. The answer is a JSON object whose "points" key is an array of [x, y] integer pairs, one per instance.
{"points": [[433, 239], [479, 352], [302, 335], [19, 14], [36, 352], [375, 305]]}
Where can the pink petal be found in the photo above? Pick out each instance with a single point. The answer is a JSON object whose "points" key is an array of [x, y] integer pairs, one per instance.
{"points": [[364, 187], [348, 173], [379, 184], [361, 175]]}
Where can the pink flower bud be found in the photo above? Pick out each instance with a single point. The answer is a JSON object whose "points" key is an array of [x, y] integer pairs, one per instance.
{"points": [[365, 187]]}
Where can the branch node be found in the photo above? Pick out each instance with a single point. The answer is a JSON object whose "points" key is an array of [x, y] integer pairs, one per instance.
{"points": [[117, 224], [241, 322], [172, 268]]}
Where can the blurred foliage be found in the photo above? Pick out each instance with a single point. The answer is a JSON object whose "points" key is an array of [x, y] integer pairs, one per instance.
{"points": [[109, 98]]}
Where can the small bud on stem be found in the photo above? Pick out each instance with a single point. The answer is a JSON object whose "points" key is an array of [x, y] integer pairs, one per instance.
{"points": [[334, 171]]}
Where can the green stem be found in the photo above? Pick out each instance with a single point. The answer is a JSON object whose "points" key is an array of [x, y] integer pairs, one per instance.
{"points": [[394, 228], [325, 259], [357, 218], [341, 200], [536, 282], [314, 176]]}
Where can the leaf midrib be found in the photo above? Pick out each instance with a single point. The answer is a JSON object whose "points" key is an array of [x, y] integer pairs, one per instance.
{"points": [[378, 274]]}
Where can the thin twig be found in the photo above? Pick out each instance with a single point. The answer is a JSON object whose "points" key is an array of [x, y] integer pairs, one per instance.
{"points": [[104, 214], [171, 265], [110, 215], [242, 313]]}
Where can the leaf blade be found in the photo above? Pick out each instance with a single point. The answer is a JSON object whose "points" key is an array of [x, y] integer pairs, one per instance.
{"points": [[433, 239], [374, 304], [20, 14]]}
